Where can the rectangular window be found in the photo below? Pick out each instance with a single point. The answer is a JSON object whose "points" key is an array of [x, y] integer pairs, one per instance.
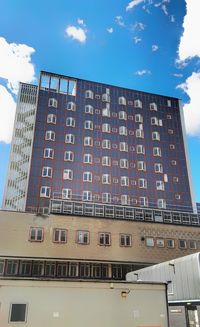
{"points": [[89, 109], [45, 192], [125, 199], [87, 176], [36, 234], [71, 106], [139, 133], [142, 183], [50, 136], [123, 146], [138, 104], [50, 269], [123, 115], [106, 161], [153, 106], [160, 186], [141, 165], [82, 237], [140, 149], [138, 118], [47, 172], [106, 128], [87, 196], [160, 242], [66, 193], [192, 244], [60, 235], [124, 181], [12, 267], [25, 268], [106, 144], [2, 265], [104, 239], [69, 156], [70, 122], [157, 152], [87, 158], [149, 241], [88, 141], [53, 103], [125, 240], [158, 168], [155, 136], [106, 197], [88, 124], [123, 130], [170, 243], [106, 179], [69, 138], [48, 153], [51, 119], [182, 244], [124, 163], [18, 312]]}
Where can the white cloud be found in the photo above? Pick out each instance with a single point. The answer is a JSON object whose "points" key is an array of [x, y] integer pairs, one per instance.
{"points": [[80, 21], [7, 114], [110, 30], [139, 26], [164, 9], [76, 33], [133, 3], [143, 72], [137, 39], [177, 75], [154, 47], [172, 18], [191, 110], [119, 20], [190, 42], [15, 64]]}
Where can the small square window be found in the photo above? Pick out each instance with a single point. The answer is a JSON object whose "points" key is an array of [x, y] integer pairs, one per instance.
{"points": [[36, 234], [104, 239], [125, 240], [82, 237], [182, 244], [192, 244], [18, 312], [160, 242], [60, 235], [149, 241], [170, 243]]}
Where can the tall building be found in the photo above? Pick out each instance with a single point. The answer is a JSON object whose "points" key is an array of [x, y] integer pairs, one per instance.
{"points": [[86, 143]]}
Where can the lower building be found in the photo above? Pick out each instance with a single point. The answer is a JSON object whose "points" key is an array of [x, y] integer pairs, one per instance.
{"points": [[66, 246]]}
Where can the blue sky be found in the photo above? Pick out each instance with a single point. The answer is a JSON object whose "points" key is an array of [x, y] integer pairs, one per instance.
{"points": [[150, 45]]}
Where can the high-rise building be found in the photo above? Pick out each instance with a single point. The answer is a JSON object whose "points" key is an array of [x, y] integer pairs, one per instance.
{"points": [[78, 143]]}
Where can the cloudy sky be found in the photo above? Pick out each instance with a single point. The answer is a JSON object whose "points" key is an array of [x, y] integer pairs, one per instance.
{"points": [[150, 45]]}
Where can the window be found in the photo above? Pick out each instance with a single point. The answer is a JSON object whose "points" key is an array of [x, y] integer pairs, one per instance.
{"points": [[124, 181], [123, 115], [89, 94], [141, 165], [106, 144], [50, 269], [2, 264], [60, 235], [125, 240], [50, 136], [70, 122], [138, 104], [106, 197], [67, 174], [155, 136], [104, 239], [175, 179], [140, 149], [173, 162], [25, 268], [105, 97], [87, 196], [68, 156], [47, 172], [66, 193], [106, 161], [122, 101], [169, 117], [177, 196], [138, 118], [124, 163], [170, 243], [169, 103], [123, 130], [139, 133], [182, 244], [106, 128], [87, 176], [156, 152], [170, 131], [45, 192], [71, 106], [142, 183], [160, 242], [149, 241], [12, 267], [153, 106], [89, 109], [82, 237], [18, 312], [154, 121], [69, 138], [38, 268], [87, 158], [160, 186], [192, 244], [172, 146], [53, 103], [88, 124], [106, 179], [143, 201], [161, 203], [51, 119], [36, 234], [158, 168], [106, 112], [88, 141], [125, 199], [48, 153], [123, 146]]}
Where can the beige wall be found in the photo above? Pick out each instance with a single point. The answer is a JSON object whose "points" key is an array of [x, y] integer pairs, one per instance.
{"points": [[14, 234], [85, 304]]}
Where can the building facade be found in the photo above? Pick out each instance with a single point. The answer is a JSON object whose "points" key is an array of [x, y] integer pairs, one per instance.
{"points": [[98, 143]]}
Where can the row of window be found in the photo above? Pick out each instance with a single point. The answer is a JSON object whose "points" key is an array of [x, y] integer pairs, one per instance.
{"points": [[82, 237], [104, 238], [170, 243], [88, 140], [106, 98]]}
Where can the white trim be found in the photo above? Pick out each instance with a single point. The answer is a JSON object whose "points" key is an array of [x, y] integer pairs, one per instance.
{"points": [[187, 157]]}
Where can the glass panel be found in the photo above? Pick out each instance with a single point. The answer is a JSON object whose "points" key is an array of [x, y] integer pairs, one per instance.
{"points": [[54, 84], [56, 206], [67, 207], [129, 213], [44, 81], [109, 211], [139, 214], [119, 212], [158, 216], [99, 210], [78, 209], [148, 215], [89, 209], [72, 87], [63, 85]]}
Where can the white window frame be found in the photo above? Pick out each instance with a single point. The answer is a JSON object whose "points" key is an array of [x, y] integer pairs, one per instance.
{"points": [[138, 104], [149, 241], [87, 195], [123, 146], [122, 115], [106, 128], [105, 97], [161, 203], [123, 130], [106, 179], [138, 118], [70, 155], [89, 159], [158, 167], [88, 124], [106, 112], [51, 119], [157, 152], [87, 176], [82, 237], [89, 109], [104, 238], [143, 201], [47, 172], [141, 165], [69, 138], [139, 133], [88, 141], [155, 136], [125, 240], [60, 233], [45, 191], [106, 161], [125, 199], [70, 122], [71, 106], [89, 94], [124, 163], [48, 153], [106, 144], [140, 149], [142, 183], [52, 102], [122, 101], [66, 193], [153, 106], [124, 181], [68, 174], [50, 136], [106, 197], [154, 121], [160, 186]]}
